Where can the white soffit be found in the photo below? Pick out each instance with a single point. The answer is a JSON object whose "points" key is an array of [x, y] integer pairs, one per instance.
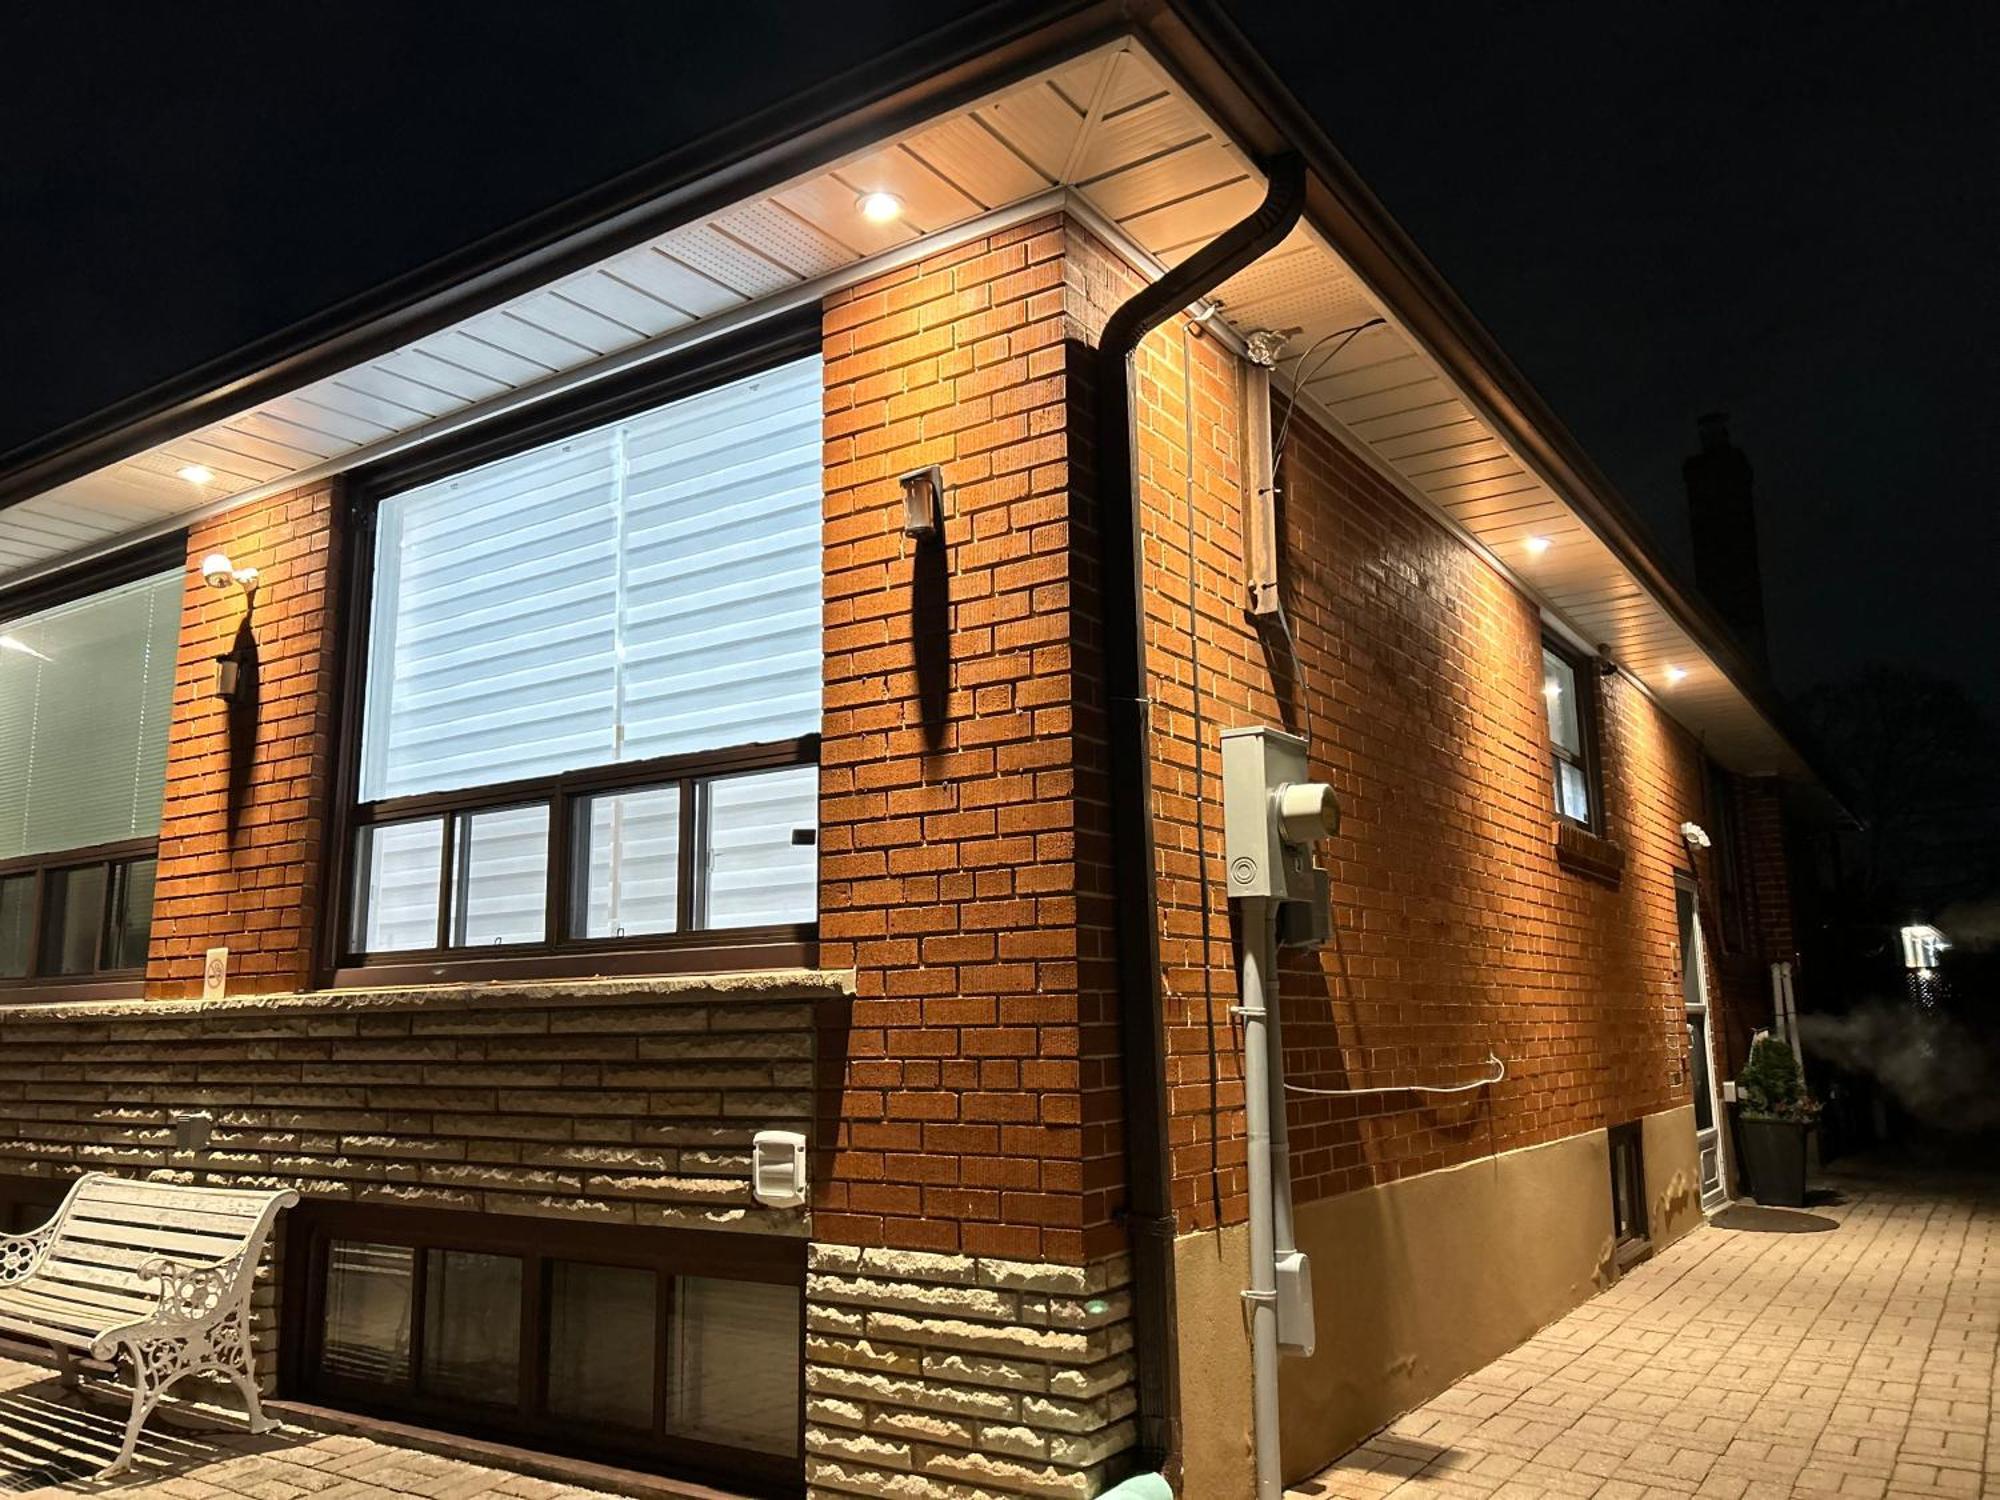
{"points": [[1108, 125], [1113, 129]]}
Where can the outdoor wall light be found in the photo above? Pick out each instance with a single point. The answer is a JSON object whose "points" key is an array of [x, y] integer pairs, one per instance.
{"points": [[1695, 835], [880, 208], [228, 678], [923, 502], [195, 473], [218, 572]]}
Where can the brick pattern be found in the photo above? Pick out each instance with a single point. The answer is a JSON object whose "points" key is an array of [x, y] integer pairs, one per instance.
{"points": [[242, 829], [1459, 932], [616, 1101], [967, 1105], [945, 1375]]}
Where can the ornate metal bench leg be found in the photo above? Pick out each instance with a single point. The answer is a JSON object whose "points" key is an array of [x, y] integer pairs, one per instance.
{"points": [[143, 1397], [253, 1403]]}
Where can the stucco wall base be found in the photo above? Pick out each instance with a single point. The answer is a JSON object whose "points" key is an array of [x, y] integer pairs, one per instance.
{"points": [[1415, 1284], [1673, 1175]]}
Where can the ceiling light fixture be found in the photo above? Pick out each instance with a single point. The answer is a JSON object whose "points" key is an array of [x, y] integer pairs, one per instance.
{"points": [[1536, 545], [1677, 674], [195, 473], [880, 208]]}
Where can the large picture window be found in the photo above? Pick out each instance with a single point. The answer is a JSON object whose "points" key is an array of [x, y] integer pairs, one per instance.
{"points": [[86, 694], [592, 689]]}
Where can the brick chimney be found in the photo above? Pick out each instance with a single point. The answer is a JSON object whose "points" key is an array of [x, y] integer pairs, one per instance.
{"points": [[1722, 514]]}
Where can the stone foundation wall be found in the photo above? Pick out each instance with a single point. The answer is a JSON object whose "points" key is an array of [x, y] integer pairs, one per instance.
{"points": [[956, 1376]]}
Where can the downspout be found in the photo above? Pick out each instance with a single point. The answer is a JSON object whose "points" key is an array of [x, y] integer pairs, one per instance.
{"points": [[1142, 1033]]}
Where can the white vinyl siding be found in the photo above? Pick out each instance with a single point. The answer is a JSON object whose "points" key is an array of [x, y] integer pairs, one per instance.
{"points": [[649, 588], [86, 694]]}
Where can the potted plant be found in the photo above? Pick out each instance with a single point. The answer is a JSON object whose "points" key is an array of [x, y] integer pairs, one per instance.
{"points": [[1775, 1114]]}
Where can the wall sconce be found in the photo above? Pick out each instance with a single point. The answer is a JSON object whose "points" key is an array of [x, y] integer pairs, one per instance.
{"points": [[228, 677], [218, 572], [923, 502], [1696, 836]]}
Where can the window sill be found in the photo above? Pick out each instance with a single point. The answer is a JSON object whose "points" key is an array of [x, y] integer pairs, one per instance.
{"points": [[749, 986], [40, 993], [1587, 854]]}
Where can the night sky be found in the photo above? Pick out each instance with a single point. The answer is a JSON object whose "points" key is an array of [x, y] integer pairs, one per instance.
{"points": [[1784, 211]]}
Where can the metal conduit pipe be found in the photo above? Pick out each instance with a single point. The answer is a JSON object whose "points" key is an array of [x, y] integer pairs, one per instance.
{"points": [[1142, 1033]]}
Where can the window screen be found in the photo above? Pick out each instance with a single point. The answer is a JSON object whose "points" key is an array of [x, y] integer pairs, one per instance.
{"points": [[649, 588], [86, 692]]}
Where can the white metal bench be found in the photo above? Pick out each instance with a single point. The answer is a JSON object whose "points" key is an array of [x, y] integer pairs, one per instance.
{"points": [[159, 1272]]}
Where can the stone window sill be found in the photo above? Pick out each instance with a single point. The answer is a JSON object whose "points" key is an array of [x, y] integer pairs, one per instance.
{"points": [[1585, 853]]}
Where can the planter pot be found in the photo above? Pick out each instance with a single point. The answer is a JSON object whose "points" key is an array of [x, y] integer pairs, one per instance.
{"points": [[1774, 1158]]}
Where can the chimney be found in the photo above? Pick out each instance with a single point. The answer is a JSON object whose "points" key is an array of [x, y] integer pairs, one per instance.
{"points": [[1722, 515]]}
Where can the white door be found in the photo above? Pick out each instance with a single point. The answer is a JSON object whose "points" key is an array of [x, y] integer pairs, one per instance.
{"points": [[1701, 1048]]}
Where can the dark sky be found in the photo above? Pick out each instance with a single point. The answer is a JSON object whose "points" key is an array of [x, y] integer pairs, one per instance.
{"points": [[1786, 211]]}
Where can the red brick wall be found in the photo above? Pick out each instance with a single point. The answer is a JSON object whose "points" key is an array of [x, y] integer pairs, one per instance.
{"points": [[969, 1103], [246, 798], [1459, 932]]}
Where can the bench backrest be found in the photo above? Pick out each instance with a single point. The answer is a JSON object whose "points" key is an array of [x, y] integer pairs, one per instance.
{"points": [[108, 1227]]}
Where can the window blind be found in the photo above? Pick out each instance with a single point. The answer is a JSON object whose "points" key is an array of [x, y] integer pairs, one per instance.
{"points": [[648, 588], [86, 693]]}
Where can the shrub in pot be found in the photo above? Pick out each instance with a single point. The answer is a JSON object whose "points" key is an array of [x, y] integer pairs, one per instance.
{"points": [[1774, 1115]]}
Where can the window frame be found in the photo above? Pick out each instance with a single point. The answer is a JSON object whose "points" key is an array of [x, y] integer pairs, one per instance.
{"points": [[1583, 671], [1732, 904], [761, 346], [313, 1225], [142, 560], [1626, 1145]]}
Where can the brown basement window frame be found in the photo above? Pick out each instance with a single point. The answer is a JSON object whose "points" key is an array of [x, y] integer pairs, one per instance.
{"points": [[562, 952], [522, 1416]]}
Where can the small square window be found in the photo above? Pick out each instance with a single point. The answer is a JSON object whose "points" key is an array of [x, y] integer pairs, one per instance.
{"points": [[631, 863], [500, 878], [396, 885], [759, 856]]}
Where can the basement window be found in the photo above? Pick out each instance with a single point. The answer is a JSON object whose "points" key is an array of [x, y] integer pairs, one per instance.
{"points": [[1628, 1192], [86, 694], [588, 734], [679, 1351], [1566, 692]]}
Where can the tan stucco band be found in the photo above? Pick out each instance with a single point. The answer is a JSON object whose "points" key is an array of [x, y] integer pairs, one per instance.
{"points": [[1415, 1283], [538, 994]]}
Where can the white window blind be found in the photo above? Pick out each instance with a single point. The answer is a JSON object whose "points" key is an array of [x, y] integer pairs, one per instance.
{"points": [[648, 588], [86, 693]]}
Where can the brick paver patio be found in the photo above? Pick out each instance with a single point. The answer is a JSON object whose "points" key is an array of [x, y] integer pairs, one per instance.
{"points": [[1749, 1366]]}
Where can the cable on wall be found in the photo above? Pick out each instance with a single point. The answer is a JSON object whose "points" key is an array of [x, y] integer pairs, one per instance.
{"points": [[1492, 1058]]}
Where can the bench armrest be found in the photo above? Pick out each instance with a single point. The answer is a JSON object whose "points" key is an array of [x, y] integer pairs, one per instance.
{"points": [[191, 1293], [20, 1253]]}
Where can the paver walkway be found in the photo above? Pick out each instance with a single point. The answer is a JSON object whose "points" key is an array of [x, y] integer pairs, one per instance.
{"points": [[1750, 1366], [51, 1443]]}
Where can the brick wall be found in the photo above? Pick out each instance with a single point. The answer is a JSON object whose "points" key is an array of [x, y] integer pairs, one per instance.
{"points": [[969, 1105], [1459, 930], [242, 827]]}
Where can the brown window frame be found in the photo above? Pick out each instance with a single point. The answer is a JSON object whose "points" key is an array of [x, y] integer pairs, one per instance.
{"points": [[560, 954], [1583, 671], [1634, 1239], [1731, 903], [314, 1224], [99, 981]]}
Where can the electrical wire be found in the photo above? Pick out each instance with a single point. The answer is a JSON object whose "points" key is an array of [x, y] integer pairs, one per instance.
{"points": [[1299, 382], [1499, 1072]]}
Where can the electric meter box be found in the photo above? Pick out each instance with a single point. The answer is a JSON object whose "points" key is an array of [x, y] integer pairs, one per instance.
{"points": [[1267, 795]]}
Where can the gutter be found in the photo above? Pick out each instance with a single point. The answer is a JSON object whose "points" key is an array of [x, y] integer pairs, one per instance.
{"points": [[1135, 885]]}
